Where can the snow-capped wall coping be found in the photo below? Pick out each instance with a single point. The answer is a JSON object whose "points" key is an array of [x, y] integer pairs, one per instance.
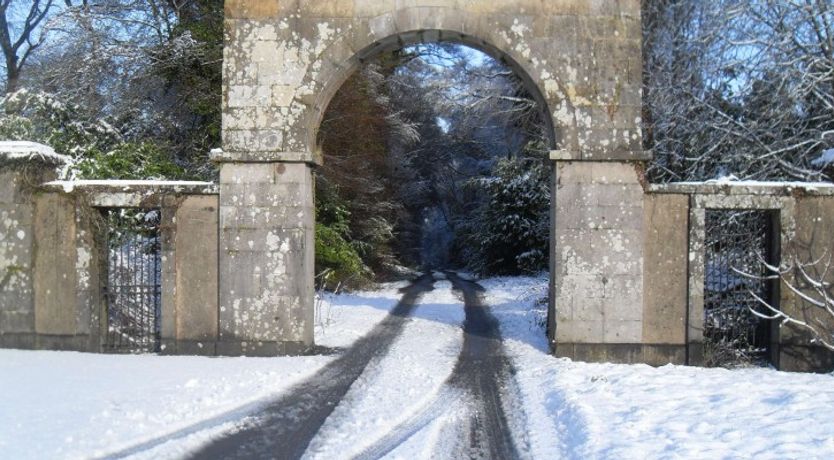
{"points": [[131, 193], [725, 187], [197, 187], [27, 152]]}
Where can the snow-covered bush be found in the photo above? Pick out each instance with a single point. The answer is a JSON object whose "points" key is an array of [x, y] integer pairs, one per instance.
{"points": [[41, 117], [97, 147], [509, 232]]}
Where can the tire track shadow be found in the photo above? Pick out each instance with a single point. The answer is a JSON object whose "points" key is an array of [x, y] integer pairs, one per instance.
{"points": [[283, 428], [481, 371]]}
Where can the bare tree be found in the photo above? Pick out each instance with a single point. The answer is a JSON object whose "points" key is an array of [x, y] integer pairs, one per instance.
{"points": [[738, 87], [809, 282], [151, 68], [29, 35]]}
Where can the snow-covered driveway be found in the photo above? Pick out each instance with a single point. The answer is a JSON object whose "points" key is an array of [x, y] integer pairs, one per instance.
{"points": [[426, 383]]}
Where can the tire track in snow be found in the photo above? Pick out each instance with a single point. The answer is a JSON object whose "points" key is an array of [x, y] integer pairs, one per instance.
{"points": [[402, 382], [481, 373], [284, 428], [409, 428]]}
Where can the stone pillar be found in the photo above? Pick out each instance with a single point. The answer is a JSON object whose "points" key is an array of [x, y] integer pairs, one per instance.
{"points": [[598, 261], [266, 257], [665, 286], [189, 282], [23, 167]]}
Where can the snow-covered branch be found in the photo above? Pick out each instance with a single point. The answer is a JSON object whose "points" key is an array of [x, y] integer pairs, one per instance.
{"points": [[814, 308]]}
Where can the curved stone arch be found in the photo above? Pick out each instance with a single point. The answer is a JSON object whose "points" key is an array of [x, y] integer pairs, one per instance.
{"points": [[285, 59], [581, 57], [402, 39]]}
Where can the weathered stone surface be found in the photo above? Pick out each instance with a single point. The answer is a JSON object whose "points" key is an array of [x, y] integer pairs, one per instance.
{"points": [[665, 254], [598, 253], [55, 265], [22, 166], [656, 355], [283, 62], [266, 255], [812, 241], [196, 262]]}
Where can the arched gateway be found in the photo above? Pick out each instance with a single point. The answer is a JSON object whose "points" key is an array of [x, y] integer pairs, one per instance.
{"points": [[633, 265], [283, 62]]}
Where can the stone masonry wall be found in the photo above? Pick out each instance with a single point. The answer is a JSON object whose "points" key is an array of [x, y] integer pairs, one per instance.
{"points": [[17, 236], [68, 296], [665, 264], [813, 240], [598, 252], [190, 274], [266, 258], [284, 60], [53, 261]]}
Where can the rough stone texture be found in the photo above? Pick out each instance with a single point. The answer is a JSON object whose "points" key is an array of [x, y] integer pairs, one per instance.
{"points": [[598, 254], [55, 277], [753, 188], [266, 258], [51, 248], [130, 193], [23, 167], [66, 275], [284, 60], [196, 269], [665, 253], [655, 355], [17, 304]]}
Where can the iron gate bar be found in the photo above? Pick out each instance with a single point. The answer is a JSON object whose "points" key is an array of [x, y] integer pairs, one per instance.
{"points": [[133, 290], [738, 240]]}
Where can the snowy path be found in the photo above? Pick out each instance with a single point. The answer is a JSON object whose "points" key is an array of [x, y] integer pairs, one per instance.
{"points": [[285, 428], [470, 407], [426, 382], [441, 385]]}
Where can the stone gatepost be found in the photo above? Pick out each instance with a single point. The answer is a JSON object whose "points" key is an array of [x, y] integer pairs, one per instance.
{"points": [[598, 235], [266, 253], [24, 166]]}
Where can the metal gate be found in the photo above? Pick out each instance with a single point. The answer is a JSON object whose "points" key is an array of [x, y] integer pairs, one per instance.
{"points": [[133, 290], [738, 240]]}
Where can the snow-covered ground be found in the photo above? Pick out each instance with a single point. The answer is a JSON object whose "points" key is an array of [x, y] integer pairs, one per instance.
{"points": [[580, 410], [78, 405], [73, 405], [405, 381]]}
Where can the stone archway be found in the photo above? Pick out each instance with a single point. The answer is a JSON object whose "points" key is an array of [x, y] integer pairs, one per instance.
{"points": [[284, 61]]}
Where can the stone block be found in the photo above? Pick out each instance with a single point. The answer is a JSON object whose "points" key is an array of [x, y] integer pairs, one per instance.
{"points": [[622, 331], [196, 268], [9, 186], [665, 257], [251, 9], [575, 331], [55, 265], [588, 308], [16, 317]]}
